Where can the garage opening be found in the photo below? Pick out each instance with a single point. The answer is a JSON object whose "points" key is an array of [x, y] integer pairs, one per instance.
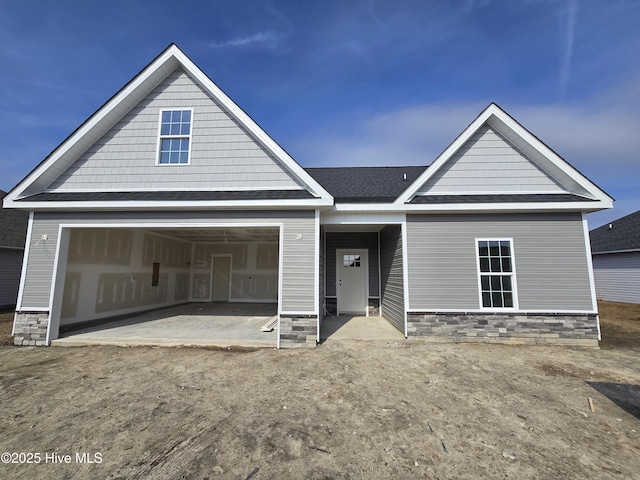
{"points": [[189, 285]]}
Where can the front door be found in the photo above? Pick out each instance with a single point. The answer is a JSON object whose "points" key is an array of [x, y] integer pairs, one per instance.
{"points": [[351, 281], [221, 278]]}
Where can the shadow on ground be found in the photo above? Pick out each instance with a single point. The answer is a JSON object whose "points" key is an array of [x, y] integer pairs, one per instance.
{"points": [[624, 395]]}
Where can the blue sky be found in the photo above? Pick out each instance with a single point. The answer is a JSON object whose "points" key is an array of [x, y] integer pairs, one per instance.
{"points": [[343, 82]]}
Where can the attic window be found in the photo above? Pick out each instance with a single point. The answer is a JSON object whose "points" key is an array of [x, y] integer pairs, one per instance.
{"points": [[175, 137]]}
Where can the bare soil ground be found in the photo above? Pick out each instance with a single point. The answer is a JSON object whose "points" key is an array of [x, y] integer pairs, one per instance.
{"points": [[340, 411]]}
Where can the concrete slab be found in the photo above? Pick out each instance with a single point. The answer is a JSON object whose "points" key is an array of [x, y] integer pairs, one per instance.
{"points": [[348, 327], [194, 324]]}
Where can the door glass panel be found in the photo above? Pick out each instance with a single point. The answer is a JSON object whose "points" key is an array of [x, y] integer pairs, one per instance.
{"points": [[351, 261]]}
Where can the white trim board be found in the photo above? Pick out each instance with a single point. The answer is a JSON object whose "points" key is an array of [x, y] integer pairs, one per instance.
{"points": [[504, 123]]}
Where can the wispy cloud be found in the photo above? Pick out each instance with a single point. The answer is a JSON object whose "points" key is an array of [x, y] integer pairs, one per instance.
{"points": [[567, 47], [267, 39], [599, 138]]}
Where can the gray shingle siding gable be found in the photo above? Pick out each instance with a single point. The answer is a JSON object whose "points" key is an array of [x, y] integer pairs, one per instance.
{"points": [[223, 154], [507, 169]]}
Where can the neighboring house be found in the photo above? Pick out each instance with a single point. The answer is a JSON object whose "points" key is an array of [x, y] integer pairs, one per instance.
{"points": [[170, 193], [13, 231], [616, 259]]}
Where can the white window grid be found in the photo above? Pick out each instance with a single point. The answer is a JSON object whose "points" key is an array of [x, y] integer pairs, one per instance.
{"points": [[497, 271], [175, 129]]}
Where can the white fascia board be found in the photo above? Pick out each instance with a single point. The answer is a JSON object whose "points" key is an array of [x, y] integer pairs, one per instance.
{"points": [[445, 156], [160, 205], [175, 55], [79, 135], [547, 152], [591, 206], [249, 123], [485, 117]]}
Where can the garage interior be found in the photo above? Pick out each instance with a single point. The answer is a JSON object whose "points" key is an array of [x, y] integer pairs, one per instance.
{"points": [[168, 285]]}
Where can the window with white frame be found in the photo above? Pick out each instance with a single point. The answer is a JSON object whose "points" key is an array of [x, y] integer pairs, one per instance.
{"points": [[175, 137], [496, 273]]}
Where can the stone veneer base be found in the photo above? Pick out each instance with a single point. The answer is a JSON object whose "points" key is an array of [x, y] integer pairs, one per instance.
{"points": [[505, 328], [30, 328], [299, 331]]}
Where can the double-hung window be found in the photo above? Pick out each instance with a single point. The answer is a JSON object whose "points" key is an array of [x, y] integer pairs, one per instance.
{"points": [[496, 272], [175, 137]]}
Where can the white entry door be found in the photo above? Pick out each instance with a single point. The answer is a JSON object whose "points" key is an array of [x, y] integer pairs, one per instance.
{"points": [[351, 281], [220, 287]]}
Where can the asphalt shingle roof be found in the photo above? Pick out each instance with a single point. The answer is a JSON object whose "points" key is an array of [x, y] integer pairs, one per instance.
{"points": [[13, 226], [365, 184], [624, 234], [504, 198], [167, 196]]}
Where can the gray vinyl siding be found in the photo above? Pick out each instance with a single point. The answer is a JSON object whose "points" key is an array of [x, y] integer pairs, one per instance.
{"points": [[39, 271], [298, 282], [10, 268], [223, 155], [321, 274], [617, 277], [391, 276], [550, 257], [503, 169], [356, 240]]}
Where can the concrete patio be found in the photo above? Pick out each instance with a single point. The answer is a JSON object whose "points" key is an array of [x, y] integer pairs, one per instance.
{"points": [[350, 327], [193, 324]]}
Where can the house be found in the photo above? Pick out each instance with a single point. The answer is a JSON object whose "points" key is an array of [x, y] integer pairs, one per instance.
{"points": [[170, 193], [616, 259], [12, 236]]}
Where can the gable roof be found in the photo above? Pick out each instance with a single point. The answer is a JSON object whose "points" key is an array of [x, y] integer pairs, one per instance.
{"points": [[123, 101], [365, 184], [14, 226], [623, 236], [585, 194]]}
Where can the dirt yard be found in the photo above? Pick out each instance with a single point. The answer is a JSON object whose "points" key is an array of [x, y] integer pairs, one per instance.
{"points": [[341, 411]]}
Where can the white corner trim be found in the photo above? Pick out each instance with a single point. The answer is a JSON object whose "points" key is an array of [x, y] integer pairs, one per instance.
{"points": [[55, 279], [280, 268], [316, 290], [592, 281], [405, 274]]}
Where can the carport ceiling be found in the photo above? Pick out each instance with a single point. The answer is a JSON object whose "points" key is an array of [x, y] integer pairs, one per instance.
{"points": [[222, 235]]}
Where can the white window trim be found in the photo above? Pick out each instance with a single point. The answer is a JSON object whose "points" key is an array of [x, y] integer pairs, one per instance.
{"points": [[514, 281], [161, 137]]}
